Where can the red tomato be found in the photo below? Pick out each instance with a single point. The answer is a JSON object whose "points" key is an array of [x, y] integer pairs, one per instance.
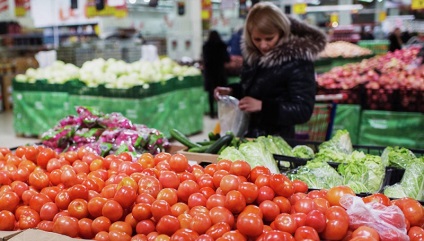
{"points": [[250, 224], [95, 205], [38, 179], [270, 210], [139, 237], [169, 179], [335, 193], [78, 208], [196, 199], [217, 176], [100, 224], [221, 214], [416, 233], [321, 204], [229, 182], [146, 160], [29, 219], [281, 185], [249, 190], [300, 218], [112, 210], [178, 162], [160, 208], [200, 223], [102, 236], [286, 223], [119, 236], [283, 203], [121, 226], [66, 226], [215, 200], [7, 220], [37, 201], [365, 231], [304, 205], [300, 186], [377, 197], [84, 228], [306, 233], [9, 201], [265, 193], [45, 226], [256, 171], [412, 210], [235, 201], [150, 185], [125, 196], [262, 180], [179, 208], [218, 229], [145, 227], [186, 188], [336, 229], [48, 211], [240, 168], [316, 219]]}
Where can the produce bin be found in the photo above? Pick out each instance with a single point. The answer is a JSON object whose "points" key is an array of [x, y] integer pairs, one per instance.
{"points": [[377, 46], [388, 128]]}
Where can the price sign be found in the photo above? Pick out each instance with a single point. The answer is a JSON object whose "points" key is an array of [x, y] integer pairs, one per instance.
{"points": [[417, 4], [299, 8], [334, 17], [382, 16]]}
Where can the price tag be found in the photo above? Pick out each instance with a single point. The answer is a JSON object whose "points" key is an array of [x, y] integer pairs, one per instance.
{"points": [[417, 4], [334, 18], [299, 8], [20, 11], [382, 16]]}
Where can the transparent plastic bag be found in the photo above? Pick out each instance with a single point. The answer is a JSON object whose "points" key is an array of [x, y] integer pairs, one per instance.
{"points": [[231, 118], [389, 221]]}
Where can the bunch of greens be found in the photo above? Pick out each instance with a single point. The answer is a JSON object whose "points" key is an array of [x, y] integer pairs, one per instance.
{"points": [[104, 133], [412, 182], [259, 152], [363, 172], [318, 175], [398, 157], [337, 149], [303, 151]]}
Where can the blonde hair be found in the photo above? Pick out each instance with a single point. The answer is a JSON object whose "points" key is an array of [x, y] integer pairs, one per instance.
{"points": [[267, 18]]}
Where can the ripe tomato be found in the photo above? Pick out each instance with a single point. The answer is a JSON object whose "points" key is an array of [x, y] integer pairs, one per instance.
{"points": [[150, 185], [7, 220], [286, 223], [38, 200], [168, 225], [215, 200], [283, 203], [265, 193], [306, 233], [196, 199], [163, 156], [145, 227], [416, 233], [262, 180], [112, 210], [119, 236], [235, 201], [9, 201], [169, 195], [217, 176], [125, 196], [256, 171], [78, 208], [178, 162], [321, 204], [45, 226], [335, 229], [412, 210], [304, 205], [62, 199], [316, 219], [186, 188], [281, 185], [160, 208], [100, 224], [335, 193], [218, 229], [179, 208], [377, 197], [121, 226], [300, 186], [300, 218], [28, 219], [38, 179], [270, 210], [221, 214], [169, 179], [48, 211], [275, 235], [250, 224], [240, 168], [365, 231], [249, 190], [229, 182], [66, 226]]}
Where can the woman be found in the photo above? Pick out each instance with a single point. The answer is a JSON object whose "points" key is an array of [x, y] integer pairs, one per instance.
{"points": [[215, 55], [277, 83], [395, 40]]}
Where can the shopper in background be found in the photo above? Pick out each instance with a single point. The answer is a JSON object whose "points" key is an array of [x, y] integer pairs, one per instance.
{"points": [[278, 83], [366, 33], [395, 40], [215, 55]]}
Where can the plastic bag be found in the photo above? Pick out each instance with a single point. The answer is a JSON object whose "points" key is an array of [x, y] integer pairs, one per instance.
{"points": [[389, 221], [231, 118]]}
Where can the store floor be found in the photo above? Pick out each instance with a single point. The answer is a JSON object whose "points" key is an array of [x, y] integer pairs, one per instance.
{"points": [[9, 139]]}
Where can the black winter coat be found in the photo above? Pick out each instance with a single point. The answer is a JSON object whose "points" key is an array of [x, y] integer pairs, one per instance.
{"points": [[284, 80]]}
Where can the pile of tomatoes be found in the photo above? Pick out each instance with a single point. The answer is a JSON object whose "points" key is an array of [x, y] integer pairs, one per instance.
{"points": [[163, 197]]}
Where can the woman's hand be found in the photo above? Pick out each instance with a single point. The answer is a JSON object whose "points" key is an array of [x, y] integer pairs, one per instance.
{"points": [[220, 91], [250, 104]]}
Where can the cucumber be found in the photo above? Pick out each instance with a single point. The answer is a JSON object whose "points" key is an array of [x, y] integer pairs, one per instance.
{"points": [[199, 149], [183, 139], [205, 143], [223, 140], [213, 137]]}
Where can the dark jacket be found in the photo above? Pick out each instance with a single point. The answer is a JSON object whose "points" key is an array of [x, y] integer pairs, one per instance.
{"points": [[284, 80], [215, 56]]}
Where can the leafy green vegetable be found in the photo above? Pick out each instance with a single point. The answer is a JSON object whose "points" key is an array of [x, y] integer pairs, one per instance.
{"points": [[283, 146], [303, 151], [395, 191], [231, 153], [413, 180], [256, 154], [318, 175], [396, 156], [340, 142]]}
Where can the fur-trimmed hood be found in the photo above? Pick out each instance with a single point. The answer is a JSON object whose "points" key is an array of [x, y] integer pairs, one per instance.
{"points": [[304, 43]]}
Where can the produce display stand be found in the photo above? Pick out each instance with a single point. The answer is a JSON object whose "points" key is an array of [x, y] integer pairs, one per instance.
{"points": [[325, 64], [177, 102]]}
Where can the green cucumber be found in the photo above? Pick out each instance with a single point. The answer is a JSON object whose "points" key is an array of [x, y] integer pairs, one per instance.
{"points": [[183, 139], [199, 149], [205, 143], [223, 140]]}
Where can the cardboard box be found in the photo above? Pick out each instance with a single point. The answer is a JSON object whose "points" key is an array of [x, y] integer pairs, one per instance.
{"points": [[6, 235], [192, 156], [39, 235]]}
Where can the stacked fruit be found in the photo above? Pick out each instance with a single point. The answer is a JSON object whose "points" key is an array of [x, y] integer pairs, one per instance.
{"points": [[162, 197]]}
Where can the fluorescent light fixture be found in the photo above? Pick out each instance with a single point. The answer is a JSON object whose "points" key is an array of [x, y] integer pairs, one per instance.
{"points": [[334, 8]]}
